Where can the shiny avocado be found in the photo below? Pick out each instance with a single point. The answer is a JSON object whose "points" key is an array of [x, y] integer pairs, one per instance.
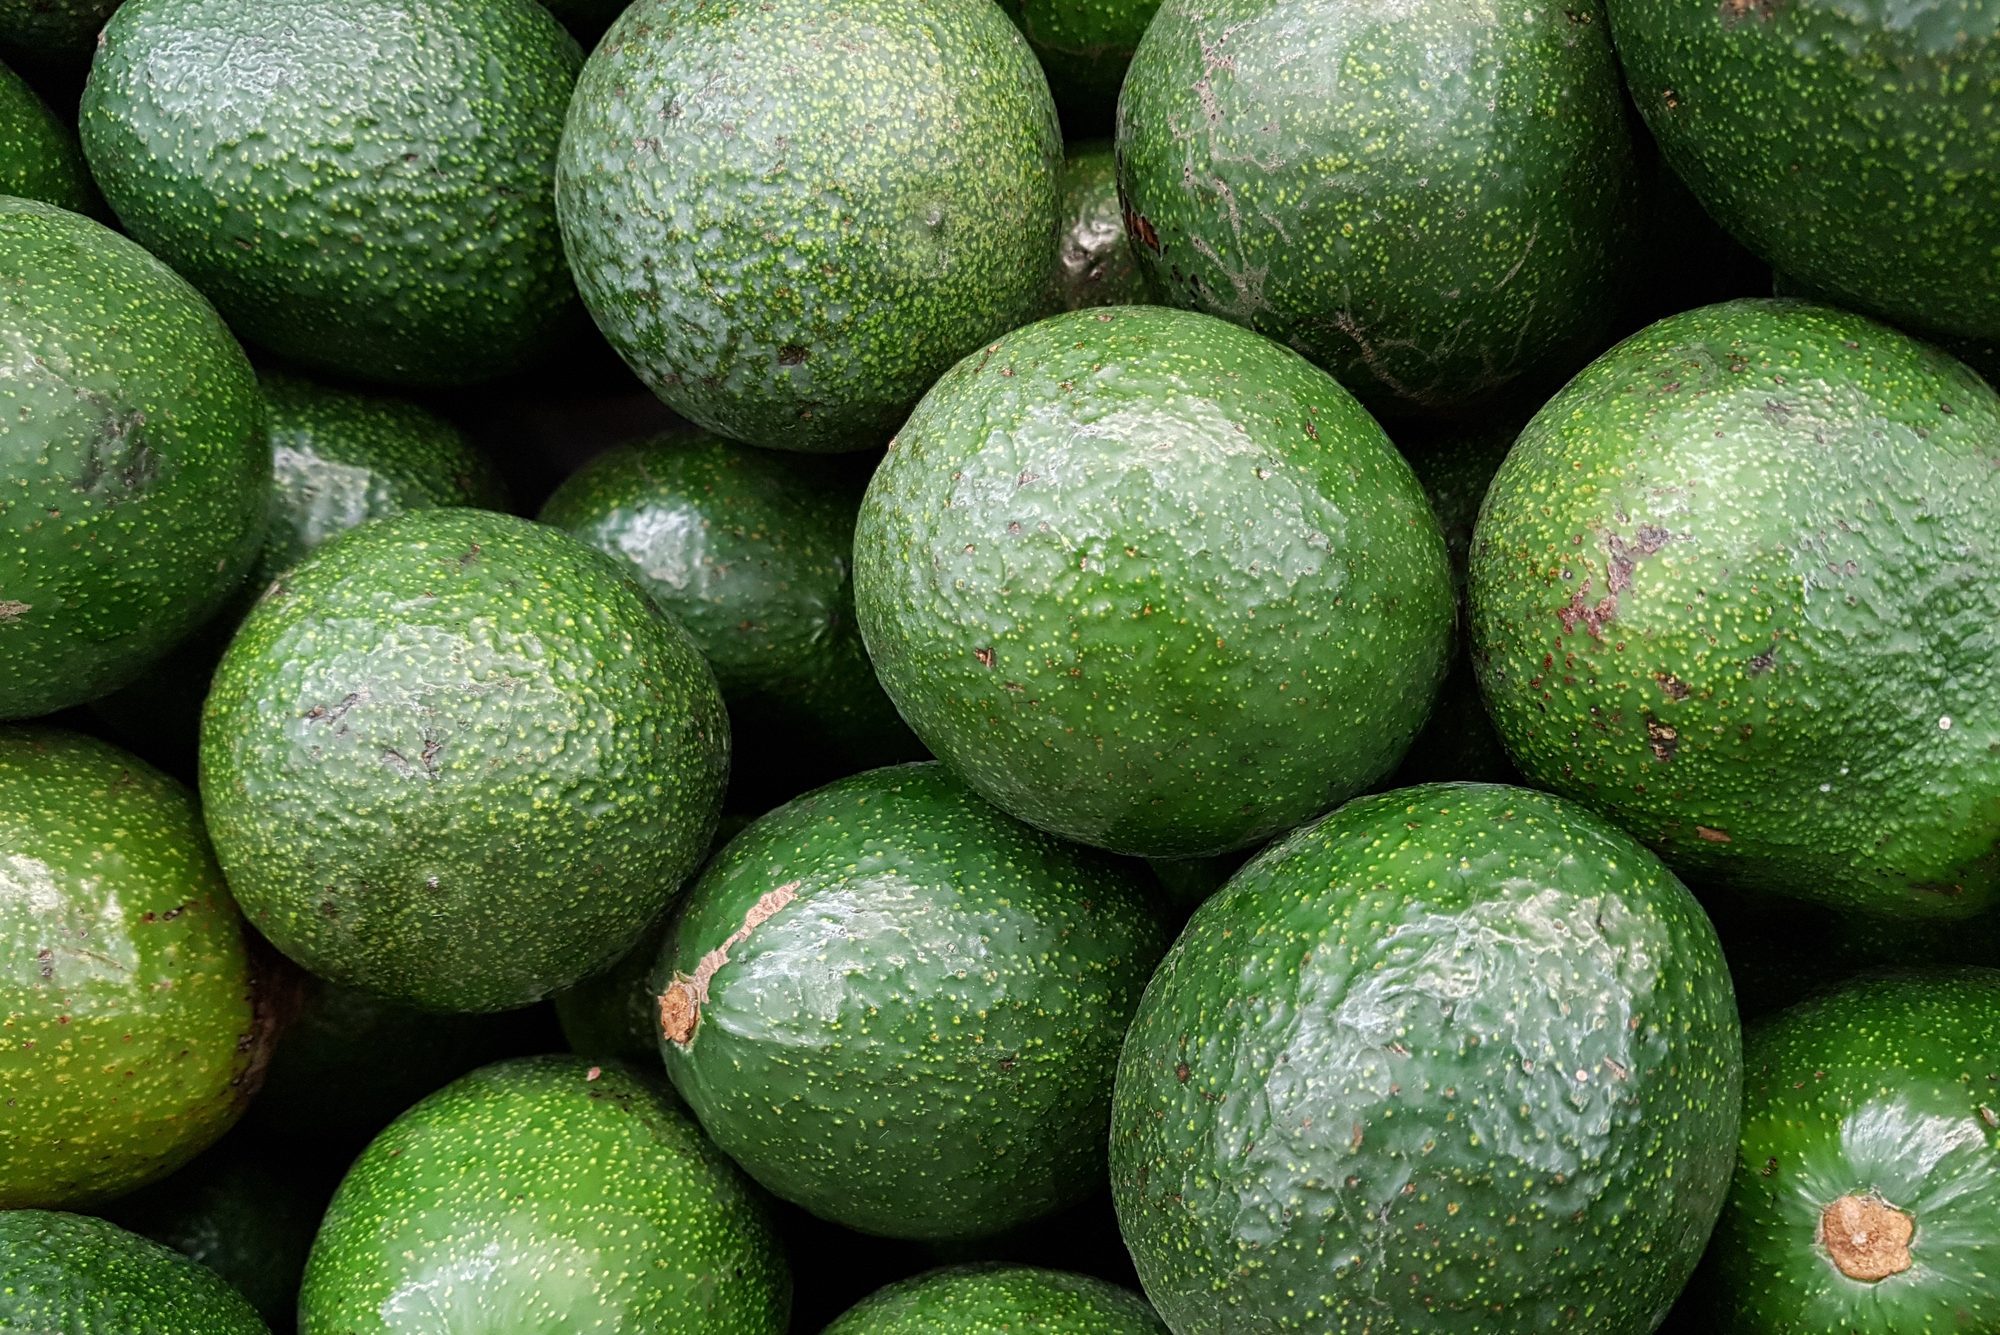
{"points": [[1096, 266], [66, 1272], [999, 1300], [1460, 1058], [39, 156], [1738, 587]]}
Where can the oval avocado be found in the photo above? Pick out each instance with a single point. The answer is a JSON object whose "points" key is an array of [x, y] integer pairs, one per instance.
{"points": [[1096, 266], [995, 1299], [39, 155], [66, 1272]]}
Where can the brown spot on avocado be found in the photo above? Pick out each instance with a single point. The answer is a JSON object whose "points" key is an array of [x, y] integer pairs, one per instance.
{"points": [[1675, 688], [1712, 835], [1867, 1238], [680, 1007], [11, 610], [1663, 738]]}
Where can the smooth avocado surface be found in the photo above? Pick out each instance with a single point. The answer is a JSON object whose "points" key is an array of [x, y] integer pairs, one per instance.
{"points": [[39, 155], [996, 1299], [1084, 45], [1096, 266], [63, 1273]]}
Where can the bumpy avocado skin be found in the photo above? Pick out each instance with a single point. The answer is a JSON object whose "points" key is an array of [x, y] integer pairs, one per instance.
{"points": [[66, 1272], [1887, 1088], [1151, 582], [370, 195], [540, 1197], [131, 448], [1854, 146], [1084, 45], [999, 1300], [460, 760], [789, 216], [1460, 1058], [899, 953], [1096, 266], [1738, 587], [1428, 199], [39, 156], [136, 1026]]}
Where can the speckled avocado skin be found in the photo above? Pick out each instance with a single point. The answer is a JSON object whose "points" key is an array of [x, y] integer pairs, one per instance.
{"points": [[133, 475], [1096, 266], [1738, 586], [1460, 1059], [1084, 45], [39, 157], [545, 1196], [371, 194], [459, 760], [1151, 582], [999, 1300], [62, 1273], [1853, 145], [1889, 1088], [1428, 199], [901, 955], [788, 216]]}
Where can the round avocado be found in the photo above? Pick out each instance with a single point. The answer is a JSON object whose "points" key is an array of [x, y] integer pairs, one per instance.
{"points": [[136, 1026], [1151, 582], [1738, 587], [1460, 1059], [890, 951], [66, 1272], [1428, 199], [999, 1300], [1867, 1191], [1096, 265], [370, 195], [459, 760], [39, 156], [1084, 45], [539, 1197], [131, 447], [789, 216]]}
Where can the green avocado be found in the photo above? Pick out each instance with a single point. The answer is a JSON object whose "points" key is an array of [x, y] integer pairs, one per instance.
{"points": [[63, 1273], [1096, 266], [1853, 146], [131, 444], [1151, 582], [362, 186], [39, 156], [1738, 587], [545, 1196], [891, 952], [1000, 1300], [1460, 1059], [1084, 45], [135, 1025], [1867, 1191], [1430, 199], [459, 760], [52, 34], [789, 216]]}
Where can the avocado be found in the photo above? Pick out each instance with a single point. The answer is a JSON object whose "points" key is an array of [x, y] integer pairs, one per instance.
{"points": [[1084, 45], [1867, 1189], [132, 442], [1428, 199], [545, 1195], [371, 195], [1096, 266], [1855, 147], [53, 34], [136, 1025], [1457, 1058], [459, 760], [1000, 1300], [789, 216], [39, 156], [1149, 581], [66, 1272], [890, 951], [1738, 587]]}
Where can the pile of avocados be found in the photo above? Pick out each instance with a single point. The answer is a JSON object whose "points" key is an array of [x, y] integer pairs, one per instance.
{"points": [[999, 667]]}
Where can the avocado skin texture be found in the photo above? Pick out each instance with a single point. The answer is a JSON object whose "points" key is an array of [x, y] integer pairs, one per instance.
{"points": [[539, 1197], [39, 156], [137, 1025], [1884, 1087], [884, 202], [459, 760], [66, 1272], [132, 445], [999, 1300], [1738, 587], [1427, 199], [371, 195], [1856, 147], [1096, 266], [1084, 45], [1493, 1073], [930, 965], [1151, 582]]}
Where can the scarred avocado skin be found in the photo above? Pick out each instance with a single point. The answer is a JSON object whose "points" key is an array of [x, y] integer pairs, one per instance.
{"points": [[992, 1299], [64, 1273]]}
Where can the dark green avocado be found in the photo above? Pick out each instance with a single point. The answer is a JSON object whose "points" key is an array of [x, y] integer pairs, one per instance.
{"points": [[1084, 45], [459, 760], [1096, 266], [370, 195], [39, 156], [1460, 1059], [1000, 1300], [545, 1196], [1428, 199], [900, 1009], [52, 34], [133, 475], [789, 216], [1738, 587], [1151, 582], [63, 1273]]}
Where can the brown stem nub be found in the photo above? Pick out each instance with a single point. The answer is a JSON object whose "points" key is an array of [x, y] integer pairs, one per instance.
{"points": [[1868, 1238], [680, 1007]]}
